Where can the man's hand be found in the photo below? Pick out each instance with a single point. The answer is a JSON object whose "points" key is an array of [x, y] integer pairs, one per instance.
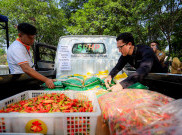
{"points": [[117, 87], [31, 72], [49, 83], [108, 81]]}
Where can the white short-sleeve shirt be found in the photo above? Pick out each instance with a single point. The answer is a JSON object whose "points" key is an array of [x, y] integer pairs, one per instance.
{"points": [[18, 54]]}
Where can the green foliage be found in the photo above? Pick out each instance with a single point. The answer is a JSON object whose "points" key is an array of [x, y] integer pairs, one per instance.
{"points": [[147, 20], [107, 17], [3, 60], [3, 57], [163, 16], [2, 52], [44, 14]]}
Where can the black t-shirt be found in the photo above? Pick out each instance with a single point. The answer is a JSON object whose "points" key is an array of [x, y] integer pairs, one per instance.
{"points": [[143, 60]]}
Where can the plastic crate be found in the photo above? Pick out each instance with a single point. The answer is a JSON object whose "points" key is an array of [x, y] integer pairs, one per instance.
{"points": [[55, 123]]}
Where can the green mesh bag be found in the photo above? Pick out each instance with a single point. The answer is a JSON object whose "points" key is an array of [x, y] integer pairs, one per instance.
{"points": [[90, 87], [73, 83], [92, 81], [138, 86], [74, 88], [79, 78]]}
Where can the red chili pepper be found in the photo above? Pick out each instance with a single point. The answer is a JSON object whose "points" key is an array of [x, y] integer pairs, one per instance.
{"points": [[66, 111], [47, 101], [65, 107]]}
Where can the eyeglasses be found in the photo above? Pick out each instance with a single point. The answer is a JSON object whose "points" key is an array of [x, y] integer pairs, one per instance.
{"points": [[120, 47]]}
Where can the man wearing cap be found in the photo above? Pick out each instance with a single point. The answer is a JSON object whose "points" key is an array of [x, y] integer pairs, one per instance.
{"points": [[19, 57]]}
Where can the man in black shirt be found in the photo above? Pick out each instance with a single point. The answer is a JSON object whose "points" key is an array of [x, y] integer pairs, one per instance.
{"points": [[141, 57]]}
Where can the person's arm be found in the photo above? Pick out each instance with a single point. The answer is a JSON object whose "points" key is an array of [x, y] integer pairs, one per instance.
{"points": [[31, 72], [119, 66], [142, 71], [161, 56]]}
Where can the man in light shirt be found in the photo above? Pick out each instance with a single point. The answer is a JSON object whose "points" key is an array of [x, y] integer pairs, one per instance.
{"points": [[19, 57]]}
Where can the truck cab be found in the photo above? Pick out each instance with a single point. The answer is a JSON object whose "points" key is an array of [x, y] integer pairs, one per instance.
{"points": [[85, 53]]}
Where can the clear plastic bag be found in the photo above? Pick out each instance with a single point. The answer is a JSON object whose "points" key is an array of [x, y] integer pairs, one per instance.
{"points": [[134, 118], [127, 99], [142, 112], [172, 125]]}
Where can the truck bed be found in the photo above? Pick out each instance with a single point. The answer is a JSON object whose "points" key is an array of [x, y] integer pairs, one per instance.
{"points": [[15, 83], [165, 83]]}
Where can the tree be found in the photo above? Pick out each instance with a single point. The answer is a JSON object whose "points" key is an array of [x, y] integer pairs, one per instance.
{"points": [[163, 15], [108, 17], [71, 6], [146, 20], [44, 14], [176, 42]]}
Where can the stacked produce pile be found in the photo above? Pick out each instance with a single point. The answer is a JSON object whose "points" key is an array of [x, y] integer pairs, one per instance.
{"points": [[49, 103], [78, 82], [88, 82], [132, 110]]}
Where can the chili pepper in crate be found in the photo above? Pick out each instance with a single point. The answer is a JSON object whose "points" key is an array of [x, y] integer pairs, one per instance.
{"points": [[75, 100], [61, 102], [47, 101], [65, 107], [57, 110], [90, 109], [48, 107], [50, 103], [55, 105], [9, 109], [2, 111]]}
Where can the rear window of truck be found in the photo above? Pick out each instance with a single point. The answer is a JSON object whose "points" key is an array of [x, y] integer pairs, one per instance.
{"points": [[89, 48]]}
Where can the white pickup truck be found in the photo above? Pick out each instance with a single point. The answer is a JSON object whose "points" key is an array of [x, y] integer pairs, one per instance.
{"points": [[80, 54]]}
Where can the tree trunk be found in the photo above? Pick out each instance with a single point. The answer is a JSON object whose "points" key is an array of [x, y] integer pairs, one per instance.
{"points": [[169, 43]]}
